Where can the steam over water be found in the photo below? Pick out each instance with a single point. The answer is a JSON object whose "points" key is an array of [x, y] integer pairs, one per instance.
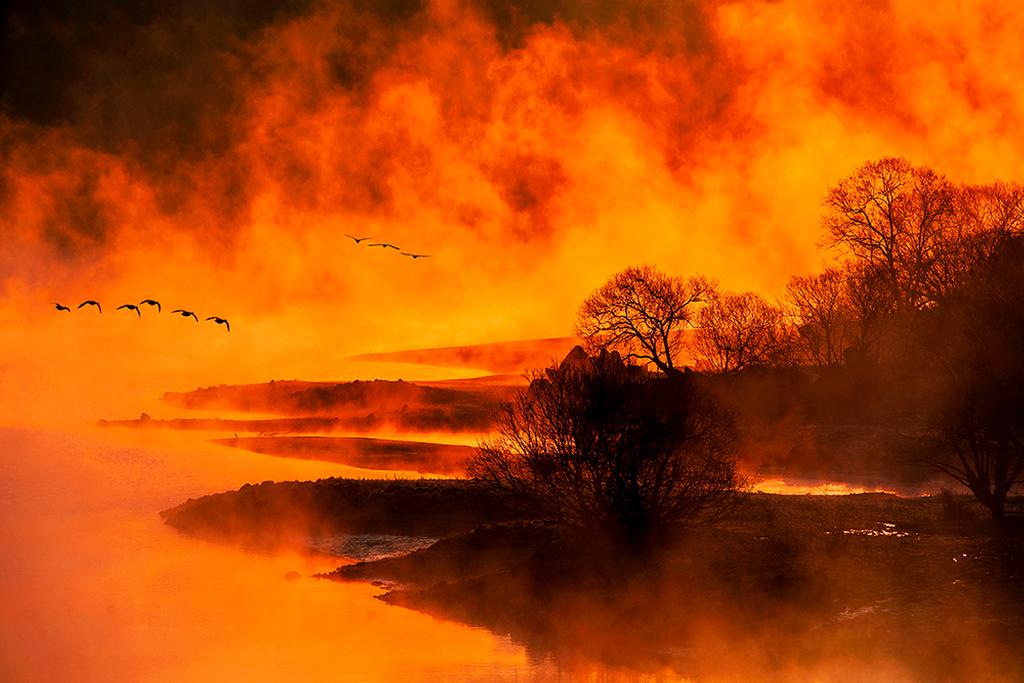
{"points": [[93, 586]]}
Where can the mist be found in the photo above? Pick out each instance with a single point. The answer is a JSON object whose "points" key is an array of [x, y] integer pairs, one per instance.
{"points": [[228, 160], [701, 138]]}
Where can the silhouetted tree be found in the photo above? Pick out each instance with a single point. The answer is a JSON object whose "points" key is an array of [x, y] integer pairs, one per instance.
{"points": [[984, 217], [601, 444], [871, 304], [918, 232], [979, 340], [741, 331], [894, 217], [642, 313], [822, 308]]}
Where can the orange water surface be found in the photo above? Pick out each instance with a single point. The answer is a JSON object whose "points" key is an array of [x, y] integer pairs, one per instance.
{"points": [[94, 587]]}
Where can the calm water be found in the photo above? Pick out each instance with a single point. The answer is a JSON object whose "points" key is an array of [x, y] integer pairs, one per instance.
{"points": [[93, 586]]}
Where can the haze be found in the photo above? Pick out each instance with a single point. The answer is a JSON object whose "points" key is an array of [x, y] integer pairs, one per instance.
{"points": [[215, 159], [219, 159]]}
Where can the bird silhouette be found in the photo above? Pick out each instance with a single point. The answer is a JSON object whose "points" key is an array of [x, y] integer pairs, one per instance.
{"points": [[185, 314], [415, 256], [151, 302], [385, 245], [61, 307], [131, 307], [90, 302], [220, 321], [357, 240]]}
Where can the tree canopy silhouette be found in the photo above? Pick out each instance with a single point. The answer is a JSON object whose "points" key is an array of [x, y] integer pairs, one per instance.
{"points": [[918, 233], [741, 331], [598, 443], [642, 313], [893, 216], [822, 307], [979, 340]]}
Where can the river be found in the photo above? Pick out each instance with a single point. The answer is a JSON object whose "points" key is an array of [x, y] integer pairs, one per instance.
{"points": [[93, 586]]}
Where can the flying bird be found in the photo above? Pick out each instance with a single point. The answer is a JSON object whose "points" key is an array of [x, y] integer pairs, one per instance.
{"points": [[61, 307], [90, 302], [415, 256], [220, 321], [385, 245], [185, 314], [357, 240], [151, 302], [131, 307]]}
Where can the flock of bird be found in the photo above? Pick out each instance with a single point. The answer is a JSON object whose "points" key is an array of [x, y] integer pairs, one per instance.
{"points": [[223, 321], [387, 245], [145, 302]]}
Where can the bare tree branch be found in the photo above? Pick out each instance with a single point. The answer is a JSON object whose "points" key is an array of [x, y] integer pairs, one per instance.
{"points": [[642, 313]]}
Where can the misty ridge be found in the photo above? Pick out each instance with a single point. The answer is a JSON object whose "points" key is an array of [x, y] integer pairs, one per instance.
{"points": [[503, 358], [374, 406], [459, 406], [312, 398]]}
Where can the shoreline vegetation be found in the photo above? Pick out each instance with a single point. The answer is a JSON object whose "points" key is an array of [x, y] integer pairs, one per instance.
{"points": [[816, 577]]}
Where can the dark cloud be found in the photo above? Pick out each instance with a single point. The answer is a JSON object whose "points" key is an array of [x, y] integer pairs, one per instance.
{"points": [[129, 74], [513, 121], [659, 22], [151, 77]]}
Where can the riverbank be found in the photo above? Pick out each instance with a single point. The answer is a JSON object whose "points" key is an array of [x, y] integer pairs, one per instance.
{"points": [[273, 514], [909, 588]]}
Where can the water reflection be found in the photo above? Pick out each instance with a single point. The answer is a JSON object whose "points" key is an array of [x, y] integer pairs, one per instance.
{"points": [[95, 587], [824, 487], [369, 547]]}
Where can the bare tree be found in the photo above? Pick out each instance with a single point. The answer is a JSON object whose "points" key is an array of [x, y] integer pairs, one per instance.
{"points": [[871, 303], [988, 444], [985, 217], [914, 238], [597, 443], [642, 313], [740, 331], [821, 306], [978, 339], [894, 217]]}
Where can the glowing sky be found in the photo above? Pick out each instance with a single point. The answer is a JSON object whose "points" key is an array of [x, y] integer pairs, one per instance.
{"points": [[216, 159]]}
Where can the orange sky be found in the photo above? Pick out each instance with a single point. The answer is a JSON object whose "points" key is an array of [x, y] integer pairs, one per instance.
{"points": [[531, 158]]}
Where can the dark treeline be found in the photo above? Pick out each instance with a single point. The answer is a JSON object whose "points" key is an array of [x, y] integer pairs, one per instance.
{"points": [[918, 324]]}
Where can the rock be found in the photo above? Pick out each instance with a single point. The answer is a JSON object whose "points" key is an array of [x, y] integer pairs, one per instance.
{"points": [[577, 357]]}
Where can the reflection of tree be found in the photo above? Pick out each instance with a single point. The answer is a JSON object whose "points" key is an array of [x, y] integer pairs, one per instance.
{"points": [[597, 443], [642, 313]]}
